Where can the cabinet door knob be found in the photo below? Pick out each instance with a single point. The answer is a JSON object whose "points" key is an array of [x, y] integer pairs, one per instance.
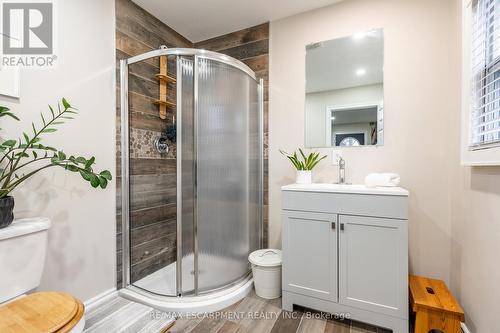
{"points": [[342, 226], [333, 225]]}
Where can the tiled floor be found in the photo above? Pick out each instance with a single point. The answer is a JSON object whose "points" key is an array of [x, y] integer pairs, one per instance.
{"points": [[118, 315], [257, 315], [252, 314]]}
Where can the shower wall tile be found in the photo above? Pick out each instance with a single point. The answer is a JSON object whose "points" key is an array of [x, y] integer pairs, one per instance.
{"points": [[153, 215], [145, 28], [149, 216], [142, 86], [152, 175], [140, 166], [142, 145], [259, 64], [251, 46], [143, 70], [126, 46], [146, 121], [159, 245], [144, 200], [249, 50], [152, 232], [237, 38], [145, 183], [151, 264], [141, 103]]}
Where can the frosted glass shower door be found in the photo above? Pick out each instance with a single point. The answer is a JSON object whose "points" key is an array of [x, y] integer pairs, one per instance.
{"points": [[228, 173], [189, 223], [187, 171]]}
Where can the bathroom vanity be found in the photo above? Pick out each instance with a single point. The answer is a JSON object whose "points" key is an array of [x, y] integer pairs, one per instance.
{"points": [[345, 250]]}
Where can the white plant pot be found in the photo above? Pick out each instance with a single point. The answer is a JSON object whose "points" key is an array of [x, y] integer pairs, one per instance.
{"points": [[304, 177]]}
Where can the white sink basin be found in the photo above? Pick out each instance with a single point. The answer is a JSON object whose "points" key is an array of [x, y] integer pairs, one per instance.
{"points": [[354, 189]]}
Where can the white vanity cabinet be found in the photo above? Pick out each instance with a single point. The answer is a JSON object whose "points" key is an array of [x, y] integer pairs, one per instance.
{"points": [[345, 250], [309, 235]]}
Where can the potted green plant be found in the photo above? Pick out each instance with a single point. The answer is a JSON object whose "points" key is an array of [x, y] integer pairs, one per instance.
{"points": [[22, 158], [304, 165]]}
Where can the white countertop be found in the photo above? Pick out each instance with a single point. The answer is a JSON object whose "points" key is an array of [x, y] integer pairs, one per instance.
{"points": [[348, 189]]}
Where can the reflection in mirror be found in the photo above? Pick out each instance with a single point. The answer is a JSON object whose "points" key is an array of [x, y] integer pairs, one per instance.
{"points": [[345, 91]]}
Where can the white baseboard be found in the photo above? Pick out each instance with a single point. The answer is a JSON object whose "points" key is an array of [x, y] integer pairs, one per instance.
{"points": [[99, 299], [464, 328]]}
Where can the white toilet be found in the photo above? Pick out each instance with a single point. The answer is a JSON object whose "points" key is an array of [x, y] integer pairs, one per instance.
{"points": [[23, 246]]}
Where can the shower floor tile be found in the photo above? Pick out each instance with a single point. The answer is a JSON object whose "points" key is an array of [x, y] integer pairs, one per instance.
{"points": [[160, 282], [214, 271]]}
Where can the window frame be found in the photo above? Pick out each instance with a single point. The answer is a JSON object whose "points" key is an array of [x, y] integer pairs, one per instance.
{"points": [[482, 155]]}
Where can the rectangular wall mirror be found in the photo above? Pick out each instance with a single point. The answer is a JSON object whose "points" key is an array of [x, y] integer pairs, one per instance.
{"points": [[345, 91]]}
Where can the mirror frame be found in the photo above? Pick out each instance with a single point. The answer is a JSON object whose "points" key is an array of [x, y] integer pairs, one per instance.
{"points": [[346, 107]]}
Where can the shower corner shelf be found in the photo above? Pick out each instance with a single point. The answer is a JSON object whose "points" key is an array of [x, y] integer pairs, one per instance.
{"points": [[164, 79], [164, 103]]}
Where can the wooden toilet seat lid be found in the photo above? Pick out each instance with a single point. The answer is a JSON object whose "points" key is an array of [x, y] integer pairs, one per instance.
{"points": [[43, 312]]}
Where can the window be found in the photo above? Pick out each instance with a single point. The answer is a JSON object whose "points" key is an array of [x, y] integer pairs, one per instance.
{"points": [[349, 142], [485, 75]]}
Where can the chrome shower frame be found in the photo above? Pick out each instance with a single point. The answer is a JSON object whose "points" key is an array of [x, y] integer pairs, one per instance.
{"points": [[125, 175]]}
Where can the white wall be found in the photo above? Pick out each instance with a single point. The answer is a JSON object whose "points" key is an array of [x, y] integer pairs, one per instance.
{"points": [[475, 203], [81, 252], [420, 73], [316, 104], [476, 244]]}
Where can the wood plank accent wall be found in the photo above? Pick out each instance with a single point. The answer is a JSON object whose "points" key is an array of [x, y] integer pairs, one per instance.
{"points": [[251, 46], [152, 175]]}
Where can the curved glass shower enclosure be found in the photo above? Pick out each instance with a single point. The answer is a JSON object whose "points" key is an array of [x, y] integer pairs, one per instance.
{"points": [[208, 185]]}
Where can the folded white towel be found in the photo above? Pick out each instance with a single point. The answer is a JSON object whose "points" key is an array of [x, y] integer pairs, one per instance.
{"points": [[382, 179]]}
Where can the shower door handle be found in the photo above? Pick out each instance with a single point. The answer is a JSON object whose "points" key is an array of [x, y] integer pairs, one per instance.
{"points": [[333, 225]]}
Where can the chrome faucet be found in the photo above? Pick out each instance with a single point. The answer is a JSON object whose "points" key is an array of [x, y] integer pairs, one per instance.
{"points": [[341, 171]]}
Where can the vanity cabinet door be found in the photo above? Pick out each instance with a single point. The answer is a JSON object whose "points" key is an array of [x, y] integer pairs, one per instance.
{"points": [[372, 264], [310, 254]]}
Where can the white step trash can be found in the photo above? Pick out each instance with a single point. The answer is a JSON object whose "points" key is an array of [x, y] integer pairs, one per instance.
{"points": [[266, 269]]}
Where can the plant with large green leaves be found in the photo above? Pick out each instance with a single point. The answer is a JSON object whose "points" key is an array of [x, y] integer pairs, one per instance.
{"points": [[307, 163], [22, 158]]}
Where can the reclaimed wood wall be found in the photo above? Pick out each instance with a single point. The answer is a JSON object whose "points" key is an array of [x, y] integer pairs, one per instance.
{"points": [[251, 46], [152, 175]]}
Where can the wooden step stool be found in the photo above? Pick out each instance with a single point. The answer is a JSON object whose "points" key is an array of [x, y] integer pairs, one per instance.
{"points": [[434, 305]]}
